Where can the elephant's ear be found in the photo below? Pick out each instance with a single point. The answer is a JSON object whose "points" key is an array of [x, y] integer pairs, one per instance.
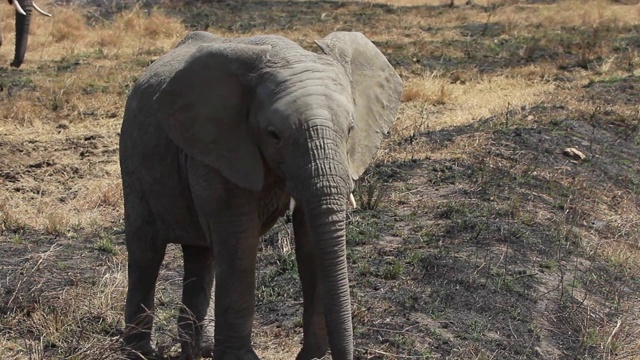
{"points": [[204, 108], [376, 88]]}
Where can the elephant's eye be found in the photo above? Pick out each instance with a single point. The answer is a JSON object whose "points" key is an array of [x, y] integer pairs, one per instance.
{"points": [[273, 135]]}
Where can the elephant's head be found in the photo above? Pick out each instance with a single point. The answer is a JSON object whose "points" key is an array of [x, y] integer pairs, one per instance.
{"points": [[316, 120], [23, 20]]}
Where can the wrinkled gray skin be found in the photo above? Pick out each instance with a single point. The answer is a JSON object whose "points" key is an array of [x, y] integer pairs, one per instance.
{"points": [[22, 32], [218, 135]]}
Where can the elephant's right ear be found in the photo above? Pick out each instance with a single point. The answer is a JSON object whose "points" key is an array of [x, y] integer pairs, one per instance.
{"points": [[204, 108]]}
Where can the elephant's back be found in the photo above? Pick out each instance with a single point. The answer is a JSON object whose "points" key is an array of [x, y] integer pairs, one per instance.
{"points": [[140, 105], [161, 70], [279, 44], [150, 161]]}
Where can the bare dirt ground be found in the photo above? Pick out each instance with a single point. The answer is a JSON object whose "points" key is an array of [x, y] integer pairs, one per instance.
{"points": [[476, 236]]}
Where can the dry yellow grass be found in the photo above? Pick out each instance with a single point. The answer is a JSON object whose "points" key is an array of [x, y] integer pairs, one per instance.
{"points": [[59, 130], [57, 309], [432, 2], [83, 100], [66, 34], [433, 103]]}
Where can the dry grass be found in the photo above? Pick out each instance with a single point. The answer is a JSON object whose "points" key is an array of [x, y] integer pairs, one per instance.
{"points": [[437, 102], [77, 101], [478, 235], [129, 34], [76, 317]]}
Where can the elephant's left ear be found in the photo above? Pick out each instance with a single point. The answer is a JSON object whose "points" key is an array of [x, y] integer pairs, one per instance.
{"points": [[376, 88]]}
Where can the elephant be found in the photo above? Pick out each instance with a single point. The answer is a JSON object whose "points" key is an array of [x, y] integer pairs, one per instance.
{"points": [[23, 20], [220, 137]]}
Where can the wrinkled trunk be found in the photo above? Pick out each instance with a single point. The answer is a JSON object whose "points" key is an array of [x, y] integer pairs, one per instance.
{"points": [[326, 219], [22, 33], [323, 186]]}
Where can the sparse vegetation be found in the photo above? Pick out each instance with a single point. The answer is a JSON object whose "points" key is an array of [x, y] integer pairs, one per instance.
{"points": [[475, 237]]}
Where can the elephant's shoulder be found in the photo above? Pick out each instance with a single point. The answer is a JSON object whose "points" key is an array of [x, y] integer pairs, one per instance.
{"points": [[197, 37], [276, 42], [165, 66]]}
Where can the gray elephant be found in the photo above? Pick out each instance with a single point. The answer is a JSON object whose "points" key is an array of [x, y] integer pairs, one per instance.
{"points": [[23, 21], [219, 137]]}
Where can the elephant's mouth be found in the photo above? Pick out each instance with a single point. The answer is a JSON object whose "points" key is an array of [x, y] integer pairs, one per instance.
{"points": [[351, 201]]}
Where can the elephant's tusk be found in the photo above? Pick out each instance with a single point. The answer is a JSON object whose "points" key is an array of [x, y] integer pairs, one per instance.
{"points": [[18, 7], [352, 201], [292, 205], [40, 10]]}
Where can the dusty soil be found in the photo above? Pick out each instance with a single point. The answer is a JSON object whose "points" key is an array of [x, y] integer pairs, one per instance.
{"points": [[474, 241]]}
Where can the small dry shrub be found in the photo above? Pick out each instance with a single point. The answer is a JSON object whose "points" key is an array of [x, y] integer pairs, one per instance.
{"points": [[106, 39], [435, 94], [8, 220], [69, 26], [441, 96], [56, 223], [152, 25], [370, 191], [21, 112], [412, 93], [100, 194], [158, 25]]}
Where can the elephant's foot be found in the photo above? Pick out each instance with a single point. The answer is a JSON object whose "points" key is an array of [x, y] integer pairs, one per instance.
{"points": [[316, 342], [140, 352], [309, 353], [207, 348], [204, 351], [202, 348], [233, 354]]}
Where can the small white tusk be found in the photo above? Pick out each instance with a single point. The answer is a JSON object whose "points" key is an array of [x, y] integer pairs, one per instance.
{"points": [[40, 10], [352, 201], [18, 7], [292, 205]]}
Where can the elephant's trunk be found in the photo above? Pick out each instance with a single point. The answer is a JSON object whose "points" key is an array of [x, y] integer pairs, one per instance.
{"points": [[326, 220], [324, 199], [22, 33]]}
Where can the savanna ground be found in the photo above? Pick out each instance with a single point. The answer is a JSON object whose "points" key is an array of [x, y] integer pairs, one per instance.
{"points": [[476, 237]]}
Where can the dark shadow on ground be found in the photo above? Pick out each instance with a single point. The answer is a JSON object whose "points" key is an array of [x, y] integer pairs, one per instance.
{"points": [[494, 251]]}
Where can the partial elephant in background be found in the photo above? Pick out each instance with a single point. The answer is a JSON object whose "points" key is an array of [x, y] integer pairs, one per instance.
{"points": [[219, 137], [23, 20]]}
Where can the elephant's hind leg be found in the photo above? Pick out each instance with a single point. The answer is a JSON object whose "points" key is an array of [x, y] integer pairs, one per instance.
{"points": [[145, 254], [199, 268]]}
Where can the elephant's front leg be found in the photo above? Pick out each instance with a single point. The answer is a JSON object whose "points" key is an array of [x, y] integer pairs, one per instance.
{"points": [[199, 267], [316, 341], [236, 245], [230, 219]]}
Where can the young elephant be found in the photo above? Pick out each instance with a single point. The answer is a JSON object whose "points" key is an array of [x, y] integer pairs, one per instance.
{"points": [[219, 137]]}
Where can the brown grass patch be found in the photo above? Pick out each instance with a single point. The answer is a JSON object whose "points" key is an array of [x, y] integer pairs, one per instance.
{"points": [[68, 26], [432, 103], [525, 253]]}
